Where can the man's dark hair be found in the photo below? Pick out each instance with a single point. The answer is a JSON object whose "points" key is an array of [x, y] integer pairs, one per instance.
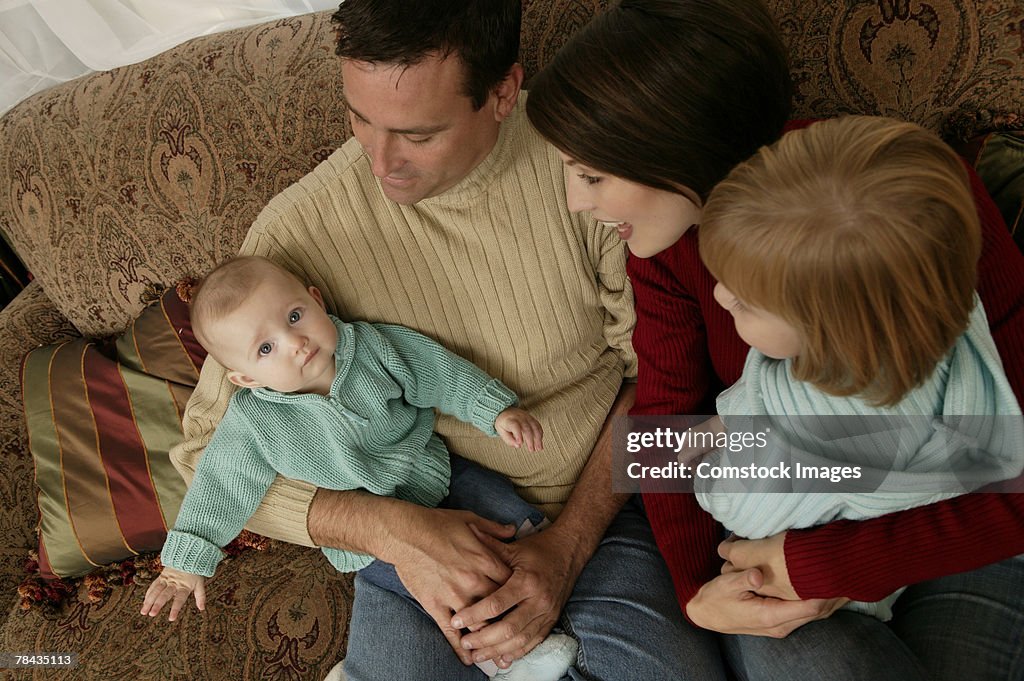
{"points": [[666, 93], [484, 34]]}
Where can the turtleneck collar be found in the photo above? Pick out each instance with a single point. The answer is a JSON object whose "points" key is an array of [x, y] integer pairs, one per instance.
{"points": [[484, 174]]}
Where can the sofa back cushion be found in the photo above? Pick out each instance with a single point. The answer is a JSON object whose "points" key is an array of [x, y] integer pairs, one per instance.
{"points": [[155, 171], [102, 417]]}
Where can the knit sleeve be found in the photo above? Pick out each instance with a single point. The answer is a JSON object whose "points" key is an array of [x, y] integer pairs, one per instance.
{"points": [[347, 561], [856, 559], [608, 254], [674, 378], [229, 484], [431, 376]]}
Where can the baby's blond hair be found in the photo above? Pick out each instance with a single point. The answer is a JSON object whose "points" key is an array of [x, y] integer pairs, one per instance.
{"points": [[860, 232]]}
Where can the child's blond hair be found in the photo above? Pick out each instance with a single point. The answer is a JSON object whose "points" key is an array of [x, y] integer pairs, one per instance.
{"points": [[860, 232], [225, 288]]}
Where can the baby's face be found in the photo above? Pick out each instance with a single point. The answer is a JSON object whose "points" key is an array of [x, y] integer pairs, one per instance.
{"points": [[279, 338]]}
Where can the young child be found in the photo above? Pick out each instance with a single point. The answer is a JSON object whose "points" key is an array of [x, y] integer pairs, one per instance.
{"points": [[343, 406], [847, 254]]}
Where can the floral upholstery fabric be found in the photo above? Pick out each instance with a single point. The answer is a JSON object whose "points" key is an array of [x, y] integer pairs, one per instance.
{"points": [[278, 614], [153, 172], [918, 60]]}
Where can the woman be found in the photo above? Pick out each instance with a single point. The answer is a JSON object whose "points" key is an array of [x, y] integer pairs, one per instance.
{"points": [[650, 106]]}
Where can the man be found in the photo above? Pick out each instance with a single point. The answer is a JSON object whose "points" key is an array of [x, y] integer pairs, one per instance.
{"points": [[446, 212]]}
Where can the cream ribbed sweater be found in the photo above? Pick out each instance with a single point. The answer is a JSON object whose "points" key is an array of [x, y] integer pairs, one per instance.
{"points": [[496, 269]]}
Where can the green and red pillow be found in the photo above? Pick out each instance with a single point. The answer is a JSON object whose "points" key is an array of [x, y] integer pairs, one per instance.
{"points": [[102, 416]]}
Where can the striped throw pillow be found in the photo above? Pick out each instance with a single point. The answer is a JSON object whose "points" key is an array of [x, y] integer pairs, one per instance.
{"points": [[102, 417]]}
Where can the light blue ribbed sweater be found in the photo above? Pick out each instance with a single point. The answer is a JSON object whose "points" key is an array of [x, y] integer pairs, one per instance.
{"points": [[373, 431], [926, 449]]}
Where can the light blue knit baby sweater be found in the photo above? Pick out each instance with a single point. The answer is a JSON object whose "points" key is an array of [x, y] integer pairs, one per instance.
{"points": [[962, 427], [373, 431]]}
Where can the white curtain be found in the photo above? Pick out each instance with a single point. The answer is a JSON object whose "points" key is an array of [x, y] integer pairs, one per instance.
{"points": [[45, 42]]}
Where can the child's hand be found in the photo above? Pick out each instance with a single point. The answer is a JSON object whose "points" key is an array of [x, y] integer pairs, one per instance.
{"points": [[516, 427], [177, 585], [713, 426]]}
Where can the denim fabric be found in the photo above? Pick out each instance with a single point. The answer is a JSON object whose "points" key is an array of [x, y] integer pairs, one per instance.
{"points": [[623, 611], [472, 488], [626, 616], [848, 646], [967, 626]]}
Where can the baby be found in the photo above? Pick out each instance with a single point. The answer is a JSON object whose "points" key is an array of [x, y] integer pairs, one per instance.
{"points": [[343, 406]]}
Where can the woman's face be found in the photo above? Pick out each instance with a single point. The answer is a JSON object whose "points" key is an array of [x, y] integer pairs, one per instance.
{"points": [[649, 220]]}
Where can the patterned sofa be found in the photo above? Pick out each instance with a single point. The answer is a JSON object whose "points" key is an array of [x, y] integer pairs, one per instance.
{"points": [[139, 176]]}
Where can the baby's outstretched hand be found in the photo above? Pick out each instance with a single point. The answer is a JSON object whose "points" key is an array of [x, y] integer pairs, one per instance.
{"points": [[517, 427], [176, 585]]}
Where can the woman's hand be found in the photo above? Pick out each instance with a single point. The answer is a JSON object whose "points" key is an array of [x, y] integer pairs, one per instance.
{"points": [[730, 604]]}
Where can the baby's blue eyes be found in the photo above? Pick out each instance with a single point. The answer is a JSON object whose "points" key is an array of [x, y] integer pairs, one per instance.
{"points": [[293, 318]]}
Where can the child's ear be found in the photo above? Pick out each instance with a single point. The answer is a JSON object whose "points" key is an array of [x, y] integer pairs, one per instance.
{"points": [[315, 292], [243, 381]]}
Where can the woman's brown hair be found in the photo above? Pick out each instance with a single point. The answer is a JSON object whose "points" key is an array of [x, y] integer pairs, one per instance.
{"points": [[666, 93], [860, 232]]}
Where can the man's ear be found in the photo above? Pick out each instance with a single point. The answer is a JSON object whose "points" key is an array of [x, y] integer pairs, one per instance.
{"points": [[243, 381], [315, 292], [507, 92]]}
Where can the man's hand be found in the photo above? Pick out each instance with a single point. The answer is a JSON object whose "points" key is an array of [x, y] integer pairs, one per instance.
{"points": [[730, 604], [452, 564], [175, 586], [767, 555], [544, 573], [518, 427]]}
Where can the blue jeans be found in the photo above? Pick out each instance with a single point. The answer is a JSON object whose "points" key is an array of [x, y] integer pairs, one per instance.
{"points": [[623, 611], [472, 488], [961, 627], [965, 626]]}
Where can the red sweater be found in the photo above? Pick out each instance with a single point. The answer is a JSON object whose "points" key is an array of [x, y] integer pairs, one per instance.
{"points": [[689, 351]]}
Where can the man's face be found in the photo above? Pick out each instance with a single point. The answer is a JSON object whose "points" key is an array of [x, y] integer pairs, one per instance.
{"points": [[417, 126]]}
